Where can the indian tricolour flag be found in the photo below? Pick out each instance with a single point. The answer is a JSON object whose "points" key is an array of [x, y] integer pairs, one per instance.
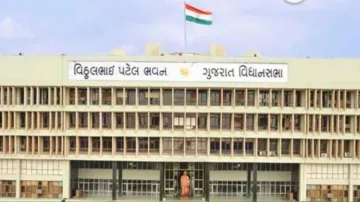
{"points": [[198, 16]]}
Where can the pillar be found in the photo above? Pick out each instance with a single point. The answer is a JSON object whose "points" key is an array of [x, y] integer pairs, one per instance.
{"points": [[162, 175], [66, 179], [114, 180], [351, 183], [255, 190], [302, 182], [120, 178], [207, 182], [248, 183], [18, 178]]}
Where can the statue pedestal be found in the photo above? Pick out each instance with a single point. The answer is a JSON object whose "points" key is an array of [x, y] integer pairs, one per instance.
{"points": [[184, 198]]}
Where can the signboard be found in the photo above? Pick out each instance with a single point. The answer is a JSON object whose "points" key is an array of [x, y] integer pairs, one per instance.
{"points": [[178, 72]]}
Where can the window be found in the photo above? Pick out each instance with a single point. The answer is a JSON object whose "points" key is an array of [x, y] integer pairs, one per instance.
{"points": [[226, 121], [238, 146], [106, 120], [95, 120], [154, 121], [190, 97], [288, 98], [226, 146], [82, 96], [263, 121], [214, 145], [71, 96], [178, 121], [167, 97], [190, 121], [240, 97], [215, 121], [275, 98], [179, 97], [143, 120], [251, 98], [119, 144], [84, 144], [130, 120], [285, 146], [250, 122], [154, 145], [94, 96], [215, 97], [202, 121], [44, 96], [179, 145], [130, 95], [190, 146], [202, 99], [119, 120], [167, 121], [106, 96], [264, 98], [72, 119], [143, 97], [143, 144], [95, 144], [227, 97], [130, 144], [119, 96], [154, 97], [202, 146]]}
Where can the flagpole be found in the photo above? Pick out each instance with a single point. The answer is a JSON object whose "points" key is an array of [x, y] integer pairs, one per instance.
{"points": [[185, 39]]}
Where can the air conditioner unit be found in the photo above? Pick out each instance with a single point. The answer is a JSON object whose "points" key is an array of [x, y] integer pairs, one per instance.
{"points": [[262, 153], [324, 155], [347, 154]]}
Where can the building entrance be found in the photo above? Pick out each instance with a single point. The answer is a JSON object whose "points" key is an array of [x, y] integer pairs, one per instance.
{"points": [[173, 173]]}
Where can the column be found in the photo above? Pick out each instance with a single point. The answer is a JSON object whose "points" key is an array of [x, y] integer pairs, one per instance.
{"points": [[120, 178], [114, 180], [254, 188], [248, 183], [302, 182], [351, 183], [207, 182], [66, 179], [162, 172], [18, 178]]}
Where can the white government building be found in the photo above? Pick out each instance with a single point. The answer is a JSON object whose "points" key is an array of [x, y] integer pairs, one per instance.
{"points": [[126, 127]]}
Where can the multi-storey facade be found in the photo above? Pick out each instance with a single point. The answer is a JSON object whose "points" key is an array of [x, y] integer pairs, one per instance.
{"points": [[123, 127]]}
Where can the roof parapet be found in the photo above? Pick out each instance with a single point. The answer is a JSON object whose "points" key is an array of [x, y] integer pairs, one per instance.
{"points": [[218, 50], [153, 50], [252, 54], [117, 52]]}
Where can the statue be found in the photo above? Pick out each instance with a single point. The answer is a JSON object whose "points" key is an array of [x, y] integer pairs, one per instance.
{"points": [[185, 184]]}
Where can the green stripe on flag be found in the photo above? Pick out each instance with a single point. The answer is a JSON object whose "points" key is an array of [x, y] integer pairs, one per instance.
{"points": [[198, 21]]}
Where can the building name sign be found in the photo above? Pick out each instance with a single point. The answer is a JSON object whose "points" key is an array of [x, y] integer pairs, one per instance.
{"points": [[178, 72]]}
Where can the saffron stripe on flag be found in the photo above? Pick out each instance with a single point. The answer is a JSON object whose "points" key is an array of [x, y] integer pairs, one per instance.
{"points": [[196, 10]]}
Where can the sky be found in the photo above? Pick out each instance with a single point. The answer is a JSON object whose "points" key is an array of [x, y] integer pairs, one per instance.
{"points": [[273, 28]]}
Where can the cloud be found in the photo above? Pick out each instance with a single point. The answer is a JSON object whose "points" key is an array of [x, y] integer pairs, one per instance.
{"points": [[10, 29]]}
